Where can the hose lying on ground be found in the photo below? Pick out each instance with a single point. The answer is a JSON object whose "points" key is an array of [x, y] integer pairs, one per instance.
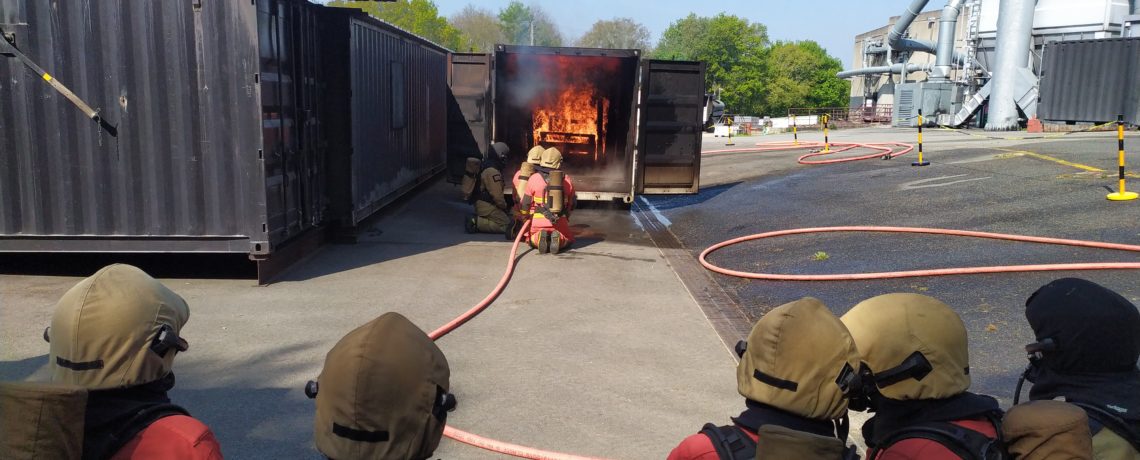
{"points": [[473, 439], [929, 272], [884, 150]]}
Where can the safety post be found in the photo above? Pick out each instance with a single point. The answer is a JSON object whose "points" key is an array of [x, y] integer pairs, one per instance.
{"points": [[826, 143], [795, 135], [920, 161], [729, 142], [1121, 195]]}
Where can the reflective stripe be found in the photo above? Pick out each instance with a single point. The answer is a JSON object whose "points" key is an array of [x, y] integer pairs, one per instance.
{"points": [[47, 77]]}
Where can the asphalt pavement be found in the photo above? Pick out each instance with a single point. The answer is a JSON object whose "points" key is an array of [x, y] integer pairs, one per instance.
{"points": [[1029, 185]]}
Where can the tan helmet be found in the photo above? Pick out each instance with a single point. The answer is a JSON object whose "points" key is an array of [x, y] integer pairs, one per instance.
{"points": [[534, 156], [551, 158], [801, 359], [915, 346], [383, 393], [118, 328]]}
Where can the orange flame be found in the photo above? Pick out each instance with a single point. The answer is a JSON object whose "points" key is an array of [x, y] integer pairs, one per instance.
{"points": [[572, 118]]}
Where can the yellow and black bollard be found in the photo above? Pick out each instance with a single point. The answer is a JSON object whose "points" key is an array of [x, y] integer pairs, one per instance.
{"points": [[1121, 195], [920, 161], [795, 135], [826, 143], [729, 122]]}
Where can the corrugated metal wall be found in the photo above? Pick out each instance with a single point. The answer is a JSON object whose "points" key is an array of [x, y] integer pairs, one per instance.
{"points": [[399, 113], [1091, 80], [178, 83]]}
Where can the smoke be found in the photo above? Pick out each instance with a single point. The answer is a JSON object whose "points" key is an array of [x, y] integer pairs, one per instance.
{"points": [[536, 79]]}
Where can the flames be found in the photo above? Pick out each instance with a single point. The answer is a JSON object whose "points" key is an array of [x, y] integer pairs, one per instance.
{"points": [[577, 118]]}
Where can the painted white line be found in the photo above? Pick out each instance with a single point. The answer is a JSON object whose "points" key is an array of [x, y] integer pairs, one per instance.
{"points": [[917, 184], [660, 217]]}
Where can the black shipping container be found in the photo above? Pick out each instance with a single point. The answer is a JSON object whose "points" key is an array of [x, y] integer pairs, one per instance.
{"points": [[1091, 80], [624, 125], [215, 105], [386, 109]]}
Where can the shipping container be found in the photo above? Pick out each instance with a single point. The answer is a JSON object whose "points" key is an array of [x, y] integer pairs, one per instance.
{"points": [[1091, 81], [215, 146], [231, 126], [386, 109], [624, 125]]}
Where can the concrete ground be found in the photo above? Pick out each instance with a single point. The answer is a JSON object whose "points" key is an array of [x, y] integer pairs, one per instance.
{"points": [[1025, 185], [581, 352]]}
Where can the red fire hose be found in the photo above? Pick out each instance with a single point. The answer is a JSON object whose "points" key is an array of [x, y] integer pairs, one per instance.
{"points": [[930, 272], [885, 150], [474, 439]]}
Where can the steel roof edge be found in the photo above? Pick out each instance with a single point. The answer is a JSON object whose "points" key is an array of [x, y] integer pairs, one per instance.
{"points": [[360, 14]]}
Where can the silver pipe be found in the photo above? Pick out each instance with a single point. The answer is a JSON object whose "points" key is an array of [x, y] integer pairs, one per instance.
{"points": [[896, 68], [1014, 37], [947, 26], [895, 36]]}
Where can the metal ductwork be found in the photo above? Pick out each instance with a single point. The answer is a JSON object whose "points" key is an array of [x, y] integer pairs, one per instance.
{"points": [[1014, 41], [896, 68], [947, 26]]}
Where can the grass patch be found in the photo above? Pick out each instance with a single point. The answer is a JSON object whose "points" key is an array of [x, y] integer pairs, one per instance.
{"points": [[820, 256]]}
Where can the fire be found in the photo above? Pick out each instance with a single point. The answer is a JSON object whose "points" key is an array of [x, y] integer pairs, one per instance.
{"points": [[576, 117]]}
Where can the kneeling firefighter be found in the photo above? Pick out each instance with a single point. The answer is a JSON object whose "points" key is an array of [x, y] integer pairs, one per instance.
{"points": [[795, 372], [490, 203], [915, 379], [113, 339], [1088, 342], [549, 198], [526, 169], [383, 393]]}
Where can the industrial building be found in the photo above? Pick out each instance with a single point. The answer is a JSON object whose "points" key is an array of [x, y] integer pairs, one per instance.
{"points": [[950, 62]]}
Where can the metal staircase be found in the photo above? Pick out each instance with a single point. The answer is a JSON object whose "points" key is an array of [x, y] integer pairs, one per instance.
{"points": [[966, 75]]}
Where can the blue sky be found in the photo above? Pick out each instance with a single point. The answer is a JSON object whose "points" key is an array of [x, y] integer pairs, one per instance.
{"points": [[832, 23]]}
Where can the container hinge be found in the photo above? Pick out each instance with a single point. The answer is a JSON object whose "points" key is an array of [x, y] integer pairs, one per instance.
{"points": [[258, 248], [9, 37], [197, 5], [256, 78]]}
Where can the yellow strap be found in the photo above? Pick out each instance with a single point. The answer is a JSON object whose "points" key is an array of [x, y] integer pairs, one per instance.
{"points": [[539, 200]]}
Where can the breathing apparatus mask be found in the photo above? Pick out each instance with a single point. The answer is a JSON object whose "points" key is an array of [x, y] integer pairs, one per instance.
{"points": [[1034, 352]]}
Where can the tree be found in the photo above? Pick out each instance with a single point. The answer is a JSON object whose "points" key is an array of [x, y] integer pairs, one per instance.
{"points": [[517, 21], [420, 17], [734, 50], [802, 74], [619, 33], [481, 28]]}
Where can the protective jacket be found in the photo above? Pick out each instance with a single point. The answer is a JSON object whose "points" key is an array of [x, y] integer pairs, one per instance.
{"points": [[742, 436], [490, 204], [890, 434], [535, 203]]}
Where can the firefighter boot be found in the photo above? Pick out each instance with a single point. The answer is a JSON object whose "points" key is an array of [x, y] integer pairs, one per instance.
{"points": [[543, 241], [469, 224], [555, 242]]}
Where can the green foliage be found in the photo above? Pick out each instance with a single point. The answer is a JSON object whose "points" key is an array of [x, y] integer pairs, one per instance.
{"points": [[754, 77], [420, 17], [734, 49], [481, 28], [517, 19], [802, 74], [619, 33]]}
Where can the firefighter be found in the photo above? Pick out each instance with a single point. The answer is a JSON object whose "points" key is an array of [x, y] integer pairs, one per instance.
{"points": [[526, 169], [383, 393], [549, 205], [795, 372], [1088, 342], [115, 335], [915, 381], [490, 203]]}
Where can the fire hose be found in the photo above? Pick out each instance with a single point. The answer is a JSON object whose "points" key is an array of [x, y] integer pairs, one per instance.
{"points": [[884, 150], [928, 272], [474, 439]]}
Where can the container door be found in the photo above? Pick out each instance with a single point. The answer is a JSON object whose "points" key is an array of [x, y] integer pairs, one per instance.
{"points": [[669, 140], [468, 110]]}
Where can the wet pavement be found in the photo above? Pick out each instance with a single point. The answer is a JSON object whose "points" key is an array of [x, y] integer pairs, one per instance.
{"points": [[972, 184]]}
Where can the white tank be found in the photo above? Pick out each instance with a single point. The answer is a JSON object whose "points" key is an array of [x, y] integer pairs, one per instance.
{"points": [[1064, 19]]}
